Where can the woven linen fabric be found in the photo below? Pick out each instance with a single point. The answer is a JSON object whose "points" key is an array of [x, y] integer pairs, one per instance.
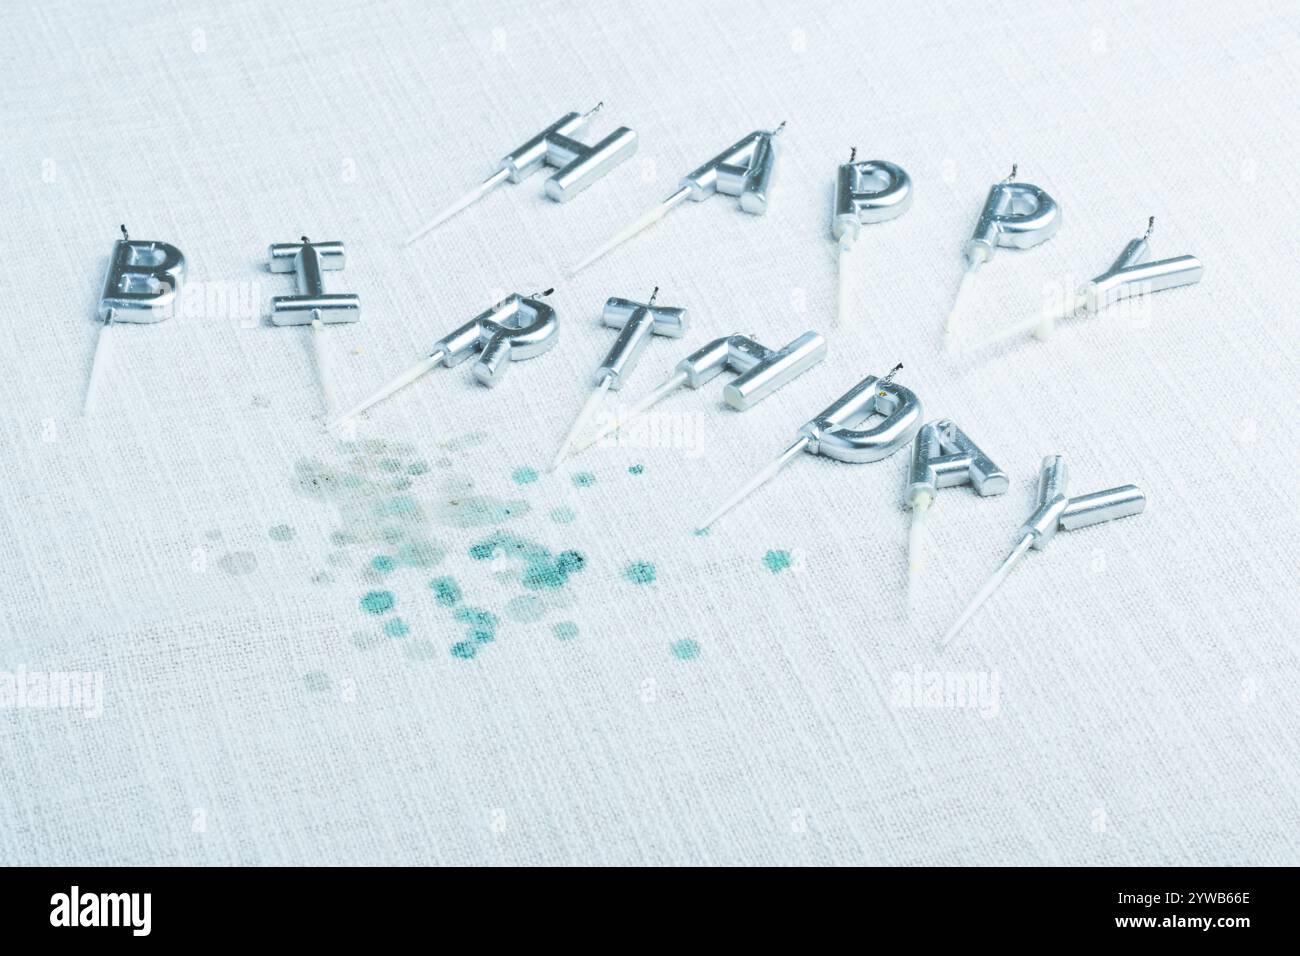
{"points": [[413, 644]]}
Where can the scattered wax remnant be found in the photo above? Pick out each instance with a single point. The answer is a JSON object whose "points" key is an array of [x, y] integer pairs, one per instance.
{"points": [[524, 475], [635, 469], [393, 535], [281, 532], [565, 630], [339, 559], [421, 651], [316, 681], [479, 510], [445, 591], [238, 562], [364, 640], [525, 608], [401, 484], [472, 440], [377, 602], [777, 561], [542, 569], [383, 563], [640, 572], [481, 625], [464, 650], [562, 515], [417, 468], [401, 506], [701, 532], [390, 465], [340, 538], [685, 649], [420, 554], [584, 479], [396, 627]]}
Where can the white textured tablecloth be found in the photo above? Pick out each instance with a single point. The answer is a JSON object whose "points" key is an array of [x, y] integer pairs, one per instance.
{"points": [[585, 680]]}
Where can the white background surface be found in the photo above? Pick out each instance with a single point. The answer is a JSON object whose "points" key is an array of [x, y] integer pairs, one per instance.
{"points": [[1147, 705]]}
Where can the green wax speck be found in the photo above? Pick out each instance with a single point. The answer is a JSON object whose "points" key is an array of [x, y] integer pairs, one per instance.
{"points": [[281, 532], [396, 627], [565, 630], [316, 681], [640, 572], [524, 475], [382, 563], [584, 479], [445, 591], [377, 602], [525, 608], [777, 561], [685, 649], [562, 515], [635, 469], [464, 650]]}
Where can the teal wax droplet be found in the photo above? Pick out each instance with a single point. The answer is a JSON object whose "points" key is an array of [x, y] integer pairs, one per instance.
{"points": [[281, 532], [390, 465], [445, 591], [584, 479], [685, 649], [701, 532], [524, 475], [417, 468], [481, 625], [464, 650], [562, 515], [377, 602], [635, 469], [565, 630], [420, 554], [382, 563], [525, 608], [396, 627], [420, 651], [316, 681], [777, 561], [640, 572]]}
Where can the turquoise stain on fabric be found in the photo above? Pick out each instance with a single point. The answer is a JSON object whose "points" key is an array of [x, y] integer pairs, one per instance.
{"points": [[523, 475], [465, 650], [445, 591], [777, 561], [635, 469], [565, 630], [281, 532], [478, 511], [420, 651], [562, 515], [701, 532], [542, 569], [640, 572], [480, 625], [417, 468], [584, 479], [685, 649], [383, 563], [378, 602], [399, 506], [316, 681], [420, 554], [526, 608], [396, 627]]}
